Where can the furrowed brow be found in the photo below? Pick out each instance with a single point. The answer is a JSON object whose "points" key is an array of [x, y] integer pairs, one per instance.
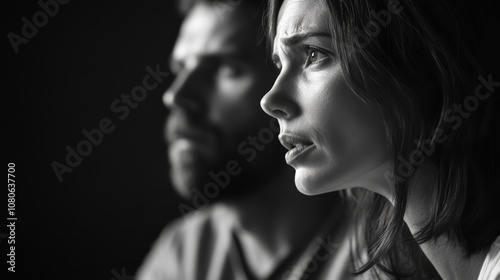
{"points": [[296, 39], [299, 37]]}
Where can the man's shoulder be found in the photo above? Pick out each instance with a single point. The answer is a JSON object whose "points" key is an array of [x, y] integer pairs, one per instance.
{"points": [[203, 225], [191, 225], [183, 242], [178, 242]]}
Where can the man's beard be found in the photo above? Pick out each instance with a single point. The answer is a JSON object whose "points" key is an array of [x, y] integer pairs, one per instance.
{"points": [[188, 171], [191, 170]]}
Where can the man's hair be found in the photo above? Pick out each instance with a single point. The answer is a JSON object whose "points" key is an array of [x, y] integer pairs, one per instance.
{"points": [[253, 11], [244, 6], [415, 67]]}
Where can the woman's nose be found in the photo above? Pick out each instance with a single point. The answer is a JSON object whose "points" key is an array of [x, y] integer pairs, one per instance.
{"points": [[279, 102]]}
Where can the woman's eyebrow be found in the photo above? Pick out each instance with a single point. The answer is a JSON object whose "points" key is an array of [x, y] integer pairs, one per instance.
{"points": [[299, 37], [296, 39]]}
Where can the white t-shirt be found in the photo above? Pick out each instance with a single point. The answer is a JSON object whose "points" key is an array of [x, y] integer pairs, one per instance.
{"points": [[491, 265]]}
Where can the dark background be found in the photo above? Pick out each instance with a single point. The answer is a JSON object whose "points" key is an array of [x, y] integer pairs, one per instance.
{"points": [[105, 215]]}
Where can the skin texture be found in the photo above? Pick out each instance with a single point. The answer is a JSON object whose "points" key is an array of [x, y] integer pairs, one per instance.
{"points": [[311, 100], [214, 100]]}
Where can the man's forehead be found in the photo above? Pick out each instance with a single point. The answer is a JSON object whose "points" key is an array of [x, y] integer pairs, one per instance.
{"points": [[204, 32]]}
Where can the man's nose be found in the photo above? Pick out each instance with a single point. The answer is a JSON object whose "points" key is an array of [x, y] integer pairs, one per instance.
{"points": [[279, 101], [184, 92]]}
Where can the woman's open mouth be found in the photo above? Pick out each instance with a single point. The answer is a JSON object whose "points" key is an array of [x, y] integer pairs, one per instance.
{"points": [[296, 146]]}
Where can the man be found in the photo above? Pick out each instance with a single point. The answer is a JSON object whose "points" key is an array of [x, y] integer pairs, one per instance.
{"points": [[223, 153]]}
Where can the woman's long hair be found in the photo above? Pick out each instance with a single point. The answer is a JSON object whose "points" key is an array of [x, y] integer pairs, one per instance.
{"points": [[426, 66]]}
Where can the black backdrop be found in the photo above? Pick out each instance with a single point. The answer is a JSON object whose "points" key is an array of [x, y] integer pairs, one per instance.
{"points": [[101, 220]]}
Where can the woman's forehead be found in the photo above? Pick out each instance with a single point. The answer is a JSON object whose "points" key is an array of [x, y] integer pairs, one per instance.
{"points": [[299, 16]]}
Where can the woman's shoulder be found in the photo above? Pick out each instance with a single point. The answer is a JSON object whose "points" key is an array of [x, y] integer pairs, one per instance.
{"points": [[491, 266]]}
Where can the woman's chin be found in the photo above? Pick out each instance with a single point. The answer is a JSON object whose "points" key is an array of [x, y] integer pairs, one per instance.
{"points": [[313, 182], [309, 184]]}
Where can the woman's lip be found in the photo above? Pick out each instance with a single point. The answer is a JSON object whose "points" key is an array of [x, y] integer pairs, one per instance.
{"points": [[295, 153], [290, 141]]}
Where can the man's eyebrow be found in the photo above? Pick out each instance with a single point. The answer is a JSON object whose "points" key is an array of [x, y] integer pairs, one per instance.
{"points": [[242, 55]]}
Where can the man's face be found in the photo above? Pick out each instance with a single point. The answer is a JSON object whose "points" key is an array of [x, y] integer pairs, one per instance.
{"points": [[214, 100]]}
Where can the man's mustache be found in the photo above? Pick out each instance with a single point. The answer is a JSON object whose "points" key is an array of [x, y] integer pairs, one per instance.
{"points": [[180, 125]]}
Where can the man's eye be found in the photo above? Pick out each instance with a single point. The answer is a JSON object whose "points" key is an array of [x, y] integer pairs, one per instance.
{"points": [[229, 70], [315, 55], [277, 65], [175, 68]]}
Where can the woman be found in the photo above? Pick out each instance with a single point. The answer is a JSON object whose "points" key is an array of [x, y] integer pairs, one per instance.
{"points": [[394, 102]]}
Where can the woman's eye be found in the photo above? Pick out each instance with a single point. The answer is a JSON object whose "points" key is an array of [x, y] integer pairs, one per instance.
{"points": [[315, 55]]}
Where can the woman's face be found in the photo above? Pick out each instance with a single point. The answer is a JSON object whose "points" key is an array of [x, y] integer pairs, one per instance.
{"points": [[333, 137]]}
